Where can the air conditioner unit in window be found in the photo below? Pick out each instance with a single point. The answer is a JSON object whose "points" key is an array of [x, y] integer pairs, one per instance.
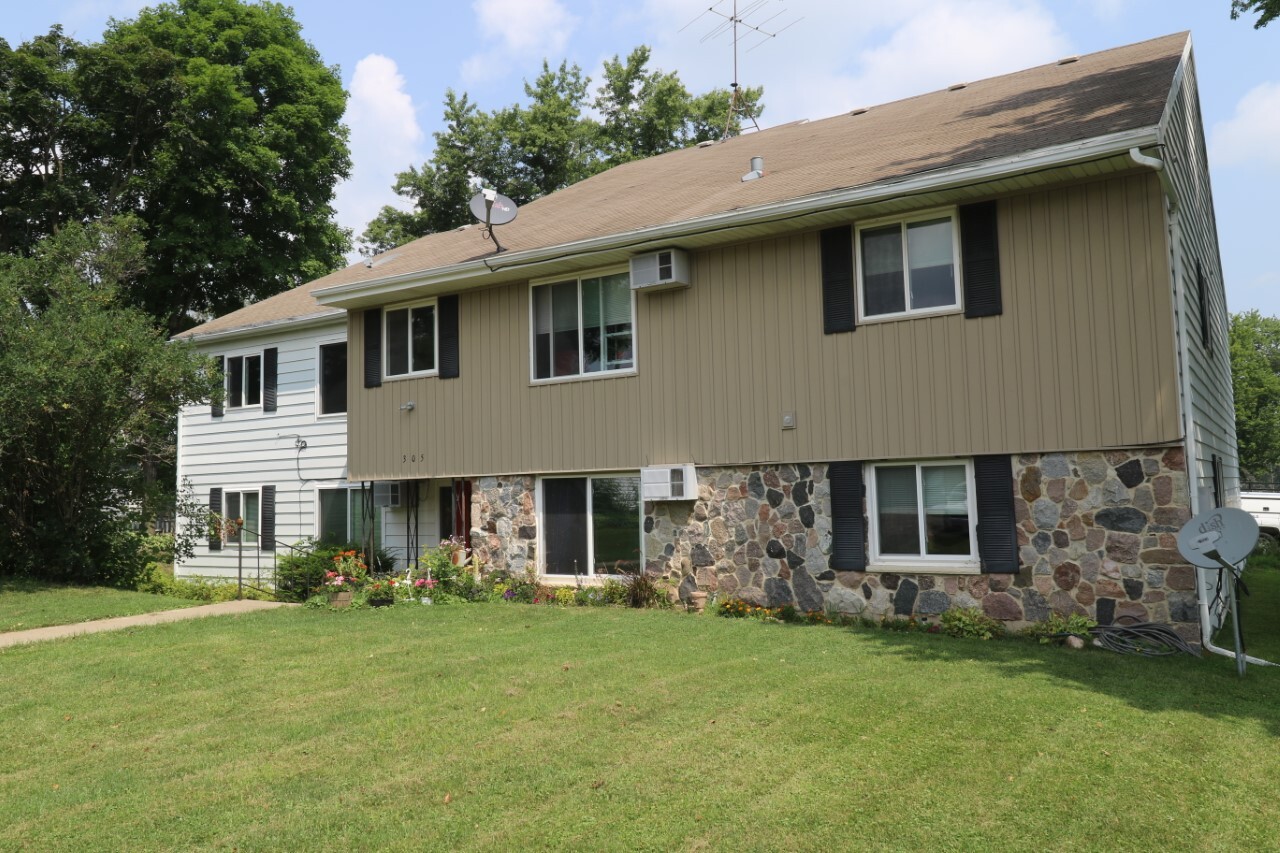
{"points": [[661, 270], [386, 493], [669, 483]]}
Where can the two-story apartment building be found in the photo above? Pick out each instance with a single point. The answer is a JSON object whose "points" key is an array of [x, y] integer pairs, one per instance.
{"points": [[963, 349]]}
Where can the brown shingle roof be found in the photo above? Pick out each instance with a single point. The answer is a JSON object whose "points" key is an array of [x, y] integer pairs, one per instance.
{"points": [[1098, 94]]}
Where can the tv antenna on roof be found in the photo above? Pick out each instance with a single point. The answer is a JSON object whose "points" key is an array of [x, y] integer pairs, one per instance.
{"points": [[730, 23], [491, 208]]}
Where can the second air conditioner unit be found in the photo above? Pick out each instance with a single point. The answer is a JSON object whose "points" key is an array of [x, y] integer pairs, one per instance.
{"points": [[387, 493], [669, 483]]}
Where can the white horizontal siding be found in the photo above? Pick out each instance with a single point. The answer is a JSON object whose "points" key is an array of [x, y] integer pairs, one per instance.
{"points": [[248, 448], [1210, 407]]}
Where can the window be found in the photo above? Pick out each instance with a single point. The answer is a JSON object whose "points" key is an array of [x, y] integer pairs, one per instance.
{"points": [[347, 515], [411, 340], [909, 267], [583, 327], [333, 378], [591, 525], [923, 512], [243, 505], [244, 381]]}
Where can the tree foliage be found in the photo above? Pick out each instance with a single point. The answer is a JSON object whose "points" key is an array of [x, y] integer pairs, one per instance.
{"points": [[1255, 380], [531, 150], [1268, 10], [212, 121], [88, 388]]}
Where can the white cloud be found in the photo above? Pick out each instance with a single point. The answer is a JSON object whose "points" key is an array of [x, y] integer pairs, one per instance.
{"points": [[1251, 137], [385, 139], [522, 30]]}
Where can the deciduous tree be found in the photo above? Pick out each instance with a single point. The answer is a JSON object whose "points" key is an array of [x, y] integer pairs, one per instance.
{"points": [[88, 389], [1255, 381]]}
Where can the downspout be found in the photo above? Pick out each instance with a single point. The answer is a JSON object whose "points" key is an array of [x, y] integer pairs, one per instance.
{"points": [[1166, 182]]}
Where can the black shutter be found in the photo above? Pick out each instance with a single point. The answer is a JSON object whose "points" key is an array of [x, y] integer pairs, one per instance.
{"points": [[215, 408], [372, 347], [215, 523], [267, 532], [837, 280], [980, 258], [1218, 485], [848, 529], [997, 533], [1203, 296], [448, 336], [270, 367]]}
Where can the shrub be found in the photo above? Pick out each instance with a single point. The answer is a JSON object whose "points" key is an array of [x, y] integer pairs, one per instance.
{"points": [[1057, 627], [161, 581], [645, 590], [302, 571], [971, 622]]}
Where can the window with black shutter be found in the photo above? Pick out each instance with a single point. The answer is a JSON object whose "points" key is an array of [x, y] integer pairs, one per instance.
{"points": [[848, 527], [215, 519], [372, 347], [837, 280], [997, 524], [333, 378]]}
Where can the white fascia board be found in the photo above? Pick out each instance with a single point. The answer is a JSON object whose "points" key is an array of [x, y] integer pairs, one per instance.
{"points": [[322, 318], [459, 275]]}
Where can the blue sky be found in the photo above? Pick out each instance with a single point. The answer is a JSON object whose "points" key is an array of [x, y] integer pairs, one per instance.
{"points": [[398, 57]]}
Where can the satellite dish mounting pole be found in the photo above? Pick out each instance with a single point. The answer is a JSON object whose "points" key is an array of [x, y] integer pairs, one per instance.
{"points": [[489, 196]]}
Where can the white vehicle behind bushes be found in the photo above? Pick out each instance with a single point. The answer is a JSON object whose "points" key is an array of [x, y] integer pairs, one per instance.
{"points": [[1265, 509]]}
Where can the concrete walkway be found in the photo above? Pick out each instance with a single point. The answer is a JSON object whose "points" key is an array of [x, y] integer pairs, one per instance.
{"points": [[55, 632]]}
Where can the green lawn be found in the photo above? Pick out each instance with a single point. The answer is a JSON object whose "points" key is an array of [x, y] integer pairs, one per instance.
{"points": [[519, 727], [35, 604]]}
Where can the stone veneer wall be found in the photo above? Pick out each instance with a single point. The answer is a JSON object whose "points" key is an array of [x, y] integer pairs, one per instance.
{"points": [[1096, 535], [504, 523]]}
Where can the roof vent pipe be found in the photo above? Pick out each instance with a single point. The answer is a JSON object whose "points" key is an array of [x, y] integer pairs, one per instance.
{"points": [[1165, 181], [757, 169]]}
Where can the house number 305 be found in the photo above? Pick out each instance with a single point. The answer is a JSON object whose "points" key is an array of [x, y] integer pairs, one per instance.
{"points": [[411, 457]]}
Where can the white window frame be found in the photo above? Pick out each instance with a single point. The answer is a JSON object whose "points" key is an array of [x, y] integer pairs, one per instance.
{"points": [[951, 212], [433, 303], [589, 575], [320, 345], [348, 487], [230, 542], [244, 375], [581, 376], [960, 564]]}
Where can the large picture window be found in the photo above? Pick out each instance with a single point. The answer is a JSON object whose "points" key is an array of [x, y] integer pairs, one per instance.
{"points": [[347, 515], [591, 525], [909, 267], [923, 512], [333, 378], [583, 326], [411, 340]]}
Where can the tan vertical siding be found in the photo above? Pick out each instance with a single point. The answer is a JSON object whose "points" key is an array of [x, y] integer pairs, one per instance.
{"points": [[1081, 358]]}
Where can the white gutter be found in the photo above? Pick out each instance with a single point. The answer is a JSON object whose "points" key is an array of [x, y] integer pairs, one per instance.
{"points": [[455, 274], [314, 319]]}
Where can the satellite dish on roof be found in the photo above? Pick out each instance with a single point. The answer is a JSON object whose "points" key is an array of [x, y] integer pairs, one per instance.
{"points": [[492, 208]]}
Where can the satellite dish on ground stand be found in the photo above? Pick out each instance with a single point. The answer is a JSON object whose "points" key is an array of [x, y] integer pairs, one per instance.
{"points": [[1222, 539], [492, 208]]}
